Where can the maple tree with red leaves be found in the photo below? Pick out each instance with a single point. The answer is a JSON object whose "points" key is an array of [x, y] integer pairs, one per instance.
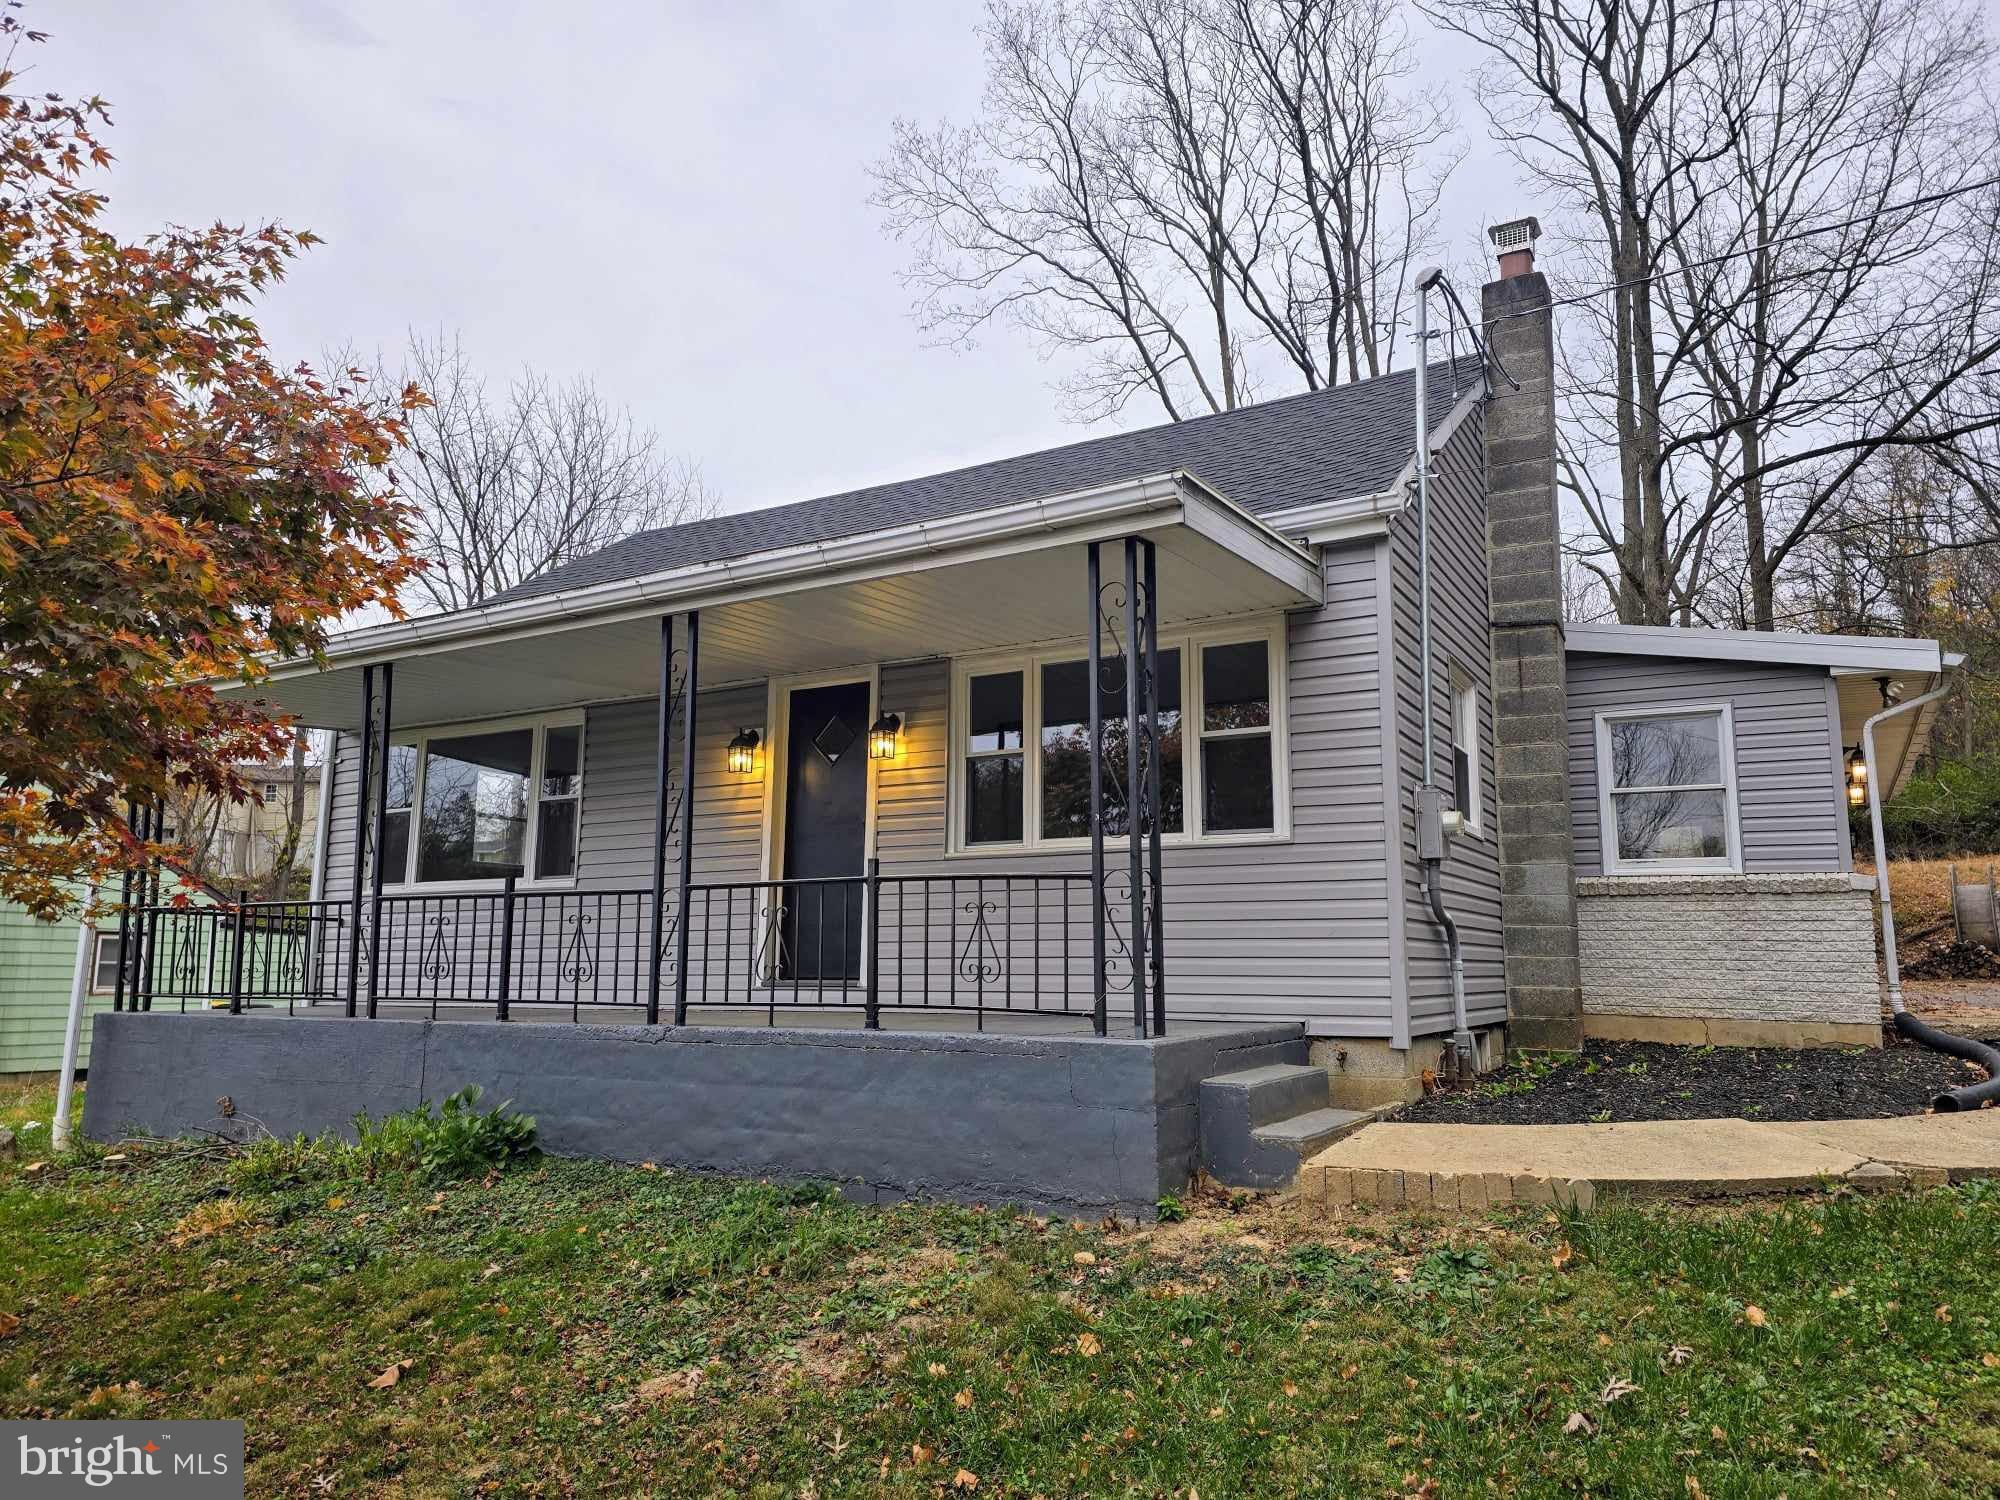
{"points": [[173, 504]]}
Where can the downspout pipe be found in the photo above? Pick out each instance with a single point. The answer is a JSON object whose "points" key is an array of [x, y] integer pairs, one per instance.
{"points": [[1974, 1096], [1429, 803]]}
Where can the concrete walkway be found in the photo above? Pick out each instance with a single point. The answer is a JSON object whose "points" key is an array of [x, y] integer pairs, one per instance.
{"points": [[1471, 1167]]}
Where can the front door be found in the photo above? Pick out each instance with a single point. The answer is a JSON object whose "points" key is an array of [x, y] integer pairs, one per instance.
{"points": [[826, 830]]}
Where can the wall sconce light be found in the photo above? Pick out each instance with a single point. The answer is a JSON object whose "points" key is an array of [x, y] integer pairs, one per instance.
{"points": [[743, 752], [1857, 778], [882, 737]]}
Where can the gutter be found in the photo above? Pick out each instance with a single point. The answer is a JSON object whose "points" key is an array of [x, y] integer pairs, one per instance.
{"points": [[1132, 503]]}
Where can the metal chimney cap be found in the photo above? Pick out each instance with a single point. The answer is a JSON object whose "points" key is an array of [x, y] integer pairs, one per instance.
{"points": [[1516, 234]]}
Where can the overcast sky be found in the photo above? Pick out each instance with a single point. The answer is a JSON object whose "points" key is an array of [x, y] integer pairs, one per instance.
{"points": [[670, 198]]}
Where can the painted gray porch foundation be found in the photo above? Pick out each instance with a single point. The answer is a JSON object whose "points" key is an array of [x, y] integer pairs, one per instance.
{"points": [[1075, 1125]]}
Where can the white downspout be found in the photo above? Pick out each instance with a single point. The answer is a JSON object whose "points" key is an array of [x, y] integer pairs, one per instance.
{"points": [[79, 987], [1889, 961], [323, 814]]}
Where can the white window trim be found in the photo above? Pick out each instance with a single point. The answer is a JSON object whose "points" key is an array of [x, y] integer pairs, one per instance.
{"points": [[97, 945], [1465, 691], [1606, 814], [419, 740], [1189, 642]]}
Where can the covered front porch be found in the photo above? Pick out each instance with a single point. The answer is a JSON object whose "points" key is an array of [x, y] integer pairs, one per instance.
{"points": [[768, 843]]}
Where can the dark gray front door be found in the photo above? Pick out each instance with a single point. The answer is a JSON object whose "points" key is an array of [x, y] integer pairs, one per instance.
{"points": [[826, 829]]}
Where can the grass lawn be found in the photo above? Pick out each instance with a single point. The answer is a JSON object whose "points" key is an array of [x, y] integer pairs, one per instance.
{"points": [[580, 1328]]}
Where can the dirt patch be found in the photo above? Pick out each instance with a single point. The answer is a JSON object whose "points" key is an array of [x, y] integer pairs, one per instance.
{"points": [[1619, 1081]]}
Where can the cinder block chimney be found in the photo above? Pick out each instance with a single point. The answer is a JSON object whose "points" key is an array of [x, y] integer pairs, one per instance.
{"points": [[1530, 685]]}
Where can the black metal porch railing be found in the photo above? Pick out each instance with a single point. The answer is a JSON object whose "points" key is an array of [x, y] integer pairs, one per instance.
{"points": [[987, 944]]}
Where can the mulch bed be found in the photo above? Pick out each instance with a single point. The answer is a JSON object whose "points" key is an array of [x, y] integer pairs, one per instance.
{"points": [[1615, 1081]]}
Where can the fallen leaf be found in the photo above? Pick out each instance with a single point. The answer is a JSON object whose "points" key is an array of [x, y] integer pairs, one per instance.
{"points": [[675, 1387], [1694, 1487], [11, 1325], [1679, 1354], [1617, 1388], [390, 1376], [1087, 1344], [965, 1479], [1754, 1316], [336, 1202], [963, 1400], [919, 1454], [1350, 1372], [1944, 1312], [1990, 1360], [1084, 1258], [649, 1166], [938, 1370], [492, 1270], [1564, 1254], [1578, 1422], [1291, 1387]]}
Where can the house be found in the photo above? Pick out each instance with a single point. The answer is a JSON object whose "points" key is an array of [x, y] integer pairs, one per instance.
{"points": [[862, 772]]}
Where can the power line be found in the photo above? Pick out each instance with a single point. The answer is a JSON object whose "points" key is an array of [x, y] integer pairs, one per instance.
{"points": [[1924, 201]]}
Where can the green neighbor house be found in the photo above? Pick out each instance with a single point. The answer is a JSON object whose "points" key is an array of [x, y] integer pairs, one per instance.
{"points": [[36, 962]]}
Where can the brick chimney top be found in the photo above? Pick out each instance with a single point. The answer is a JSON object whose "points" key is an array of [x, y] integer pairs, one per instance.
{"points": [[1515, 241]]}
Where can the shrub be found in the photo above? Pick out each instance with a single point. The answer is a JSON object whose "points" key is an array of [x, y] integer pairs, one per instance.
{"points": [[1951, 809], [458, 1141]]}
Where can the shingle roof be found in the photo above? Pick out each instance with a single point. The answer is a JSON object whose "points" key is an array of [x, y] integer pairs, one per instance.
{"points": [[1297, 450]]}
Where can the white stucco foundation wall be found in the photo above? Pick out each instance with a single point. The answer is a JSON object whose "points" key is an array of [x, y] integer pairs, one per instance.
{"points": [[1733, 948]]}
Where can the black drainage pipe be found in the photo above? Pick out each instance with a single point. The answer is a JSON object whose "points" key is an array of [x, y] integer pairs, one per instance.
{"points": [[1972, 1096]]}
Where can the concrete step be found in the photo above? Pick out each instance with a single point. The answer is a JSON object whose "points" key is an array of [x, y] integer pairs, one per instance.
{"points": [[1309, 1134], [1276, 1091], [1258, 1124]]}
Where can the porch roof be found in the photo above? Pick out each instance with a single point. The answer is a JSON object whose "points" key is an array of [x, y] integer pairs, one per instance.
{"points": [[1006, 576]]}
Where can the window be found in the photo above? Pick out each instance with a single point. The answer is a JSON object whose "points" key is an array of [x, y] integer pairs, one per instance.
{"points": [[995, 757], [1465, 746], [1668, 798], [1238, 794], [1065, 746], [479, 804], [1021, 773], [104, 964]]}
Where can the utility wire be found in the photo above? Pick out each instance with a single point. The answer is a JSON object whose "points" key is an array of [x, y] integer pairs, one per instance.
{"points": [[1784, 239]]}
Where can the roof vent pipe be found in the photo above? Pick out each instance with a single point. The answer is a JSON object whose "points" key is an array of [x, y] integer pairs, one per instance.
{"points": [[1977, 1095], [1431, 827]]}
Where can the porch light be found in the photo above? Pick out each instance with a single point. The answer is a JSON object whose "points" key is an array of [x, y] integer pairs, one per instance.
{"points": [[1857, 777], [882, 737], [743, 752]]}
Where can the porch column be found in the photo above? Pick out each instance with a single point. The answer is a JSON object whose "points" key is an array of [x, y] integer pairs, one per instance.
{"points": [[379, 820], [360, 835], [1097, 891], [690, 690], [662, 753], [1135, 792], [1155, 807]]}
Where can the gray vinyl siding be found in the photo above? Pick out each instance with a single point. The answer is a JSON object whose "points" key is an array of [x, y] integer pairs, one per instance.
{"points": [[1297, 930], [1787, 776], [1462, 633]]}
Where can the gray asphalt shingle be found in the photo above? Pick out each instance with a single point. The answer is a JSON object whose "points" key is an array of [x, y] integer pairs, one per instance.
{"points": [[1297, 450]]}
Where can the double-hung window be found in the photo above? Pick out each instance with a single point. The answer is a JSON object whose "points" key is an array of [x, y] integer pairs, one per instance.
{"points": [[478, 804], [1465, 746], [1021, 762], [1667, 791]]}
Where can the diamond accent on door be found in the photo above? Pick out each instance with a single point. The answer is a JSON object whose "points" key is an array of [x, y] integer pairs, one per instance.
{"points": [[835, 740]]}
